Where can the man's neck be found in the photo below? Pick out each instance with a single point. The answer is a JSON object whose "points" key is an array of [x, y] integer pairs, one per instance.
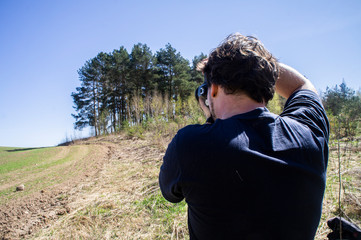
{"points": [[232, 105]]}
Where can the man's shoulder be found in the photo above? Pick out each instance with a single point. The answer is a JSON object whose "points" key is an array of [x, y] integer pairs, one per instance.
{"points": [[305, 107], [198, 135], [303, 95], [193, 131]]}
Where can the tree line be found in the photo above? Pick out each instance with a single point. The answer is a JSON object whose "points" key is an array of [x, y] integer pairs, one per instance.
{"points": [[121, 88], [343, 106]]}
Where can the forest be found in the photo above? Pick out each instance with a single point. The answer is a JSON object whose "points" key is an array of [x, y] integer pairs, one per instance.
{"points": [[121, 90]]}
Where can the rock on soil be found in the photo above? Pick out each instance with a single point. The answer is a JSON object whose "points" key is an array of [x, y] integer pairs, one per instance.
{"points": [[20, 187]]}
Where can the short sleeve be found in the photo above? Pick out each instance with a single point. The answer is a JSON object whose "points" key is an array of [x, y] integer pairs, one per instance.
{"points": [[305, 107]]}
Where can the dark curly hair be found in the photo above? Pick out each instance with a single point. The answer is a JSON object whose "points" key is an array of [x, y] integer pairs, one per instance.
{"points": [[242, 65]]}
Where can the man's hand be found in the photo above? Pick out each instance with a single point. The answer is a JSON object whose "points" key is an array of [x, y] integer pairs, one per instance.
{"points": [[205, 108]]}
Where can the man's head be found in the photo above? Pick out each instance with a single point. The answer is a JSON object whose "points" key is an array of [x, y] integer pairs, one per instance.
{"points": [[242, 65]]}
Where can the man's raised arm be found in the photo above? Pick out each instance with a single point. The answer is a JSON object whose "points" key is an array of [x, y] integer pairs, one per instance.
{"points": [[290, 80]]}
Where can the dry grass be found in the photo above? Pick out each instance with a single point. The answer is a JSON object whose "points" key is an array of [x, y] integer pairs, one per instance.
{"points": [[350, 157], [124, 202]]}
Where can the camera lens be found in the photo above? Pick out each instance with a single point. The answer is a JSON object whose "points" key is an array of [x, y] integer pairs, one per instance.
{"points": [[201, 92]]}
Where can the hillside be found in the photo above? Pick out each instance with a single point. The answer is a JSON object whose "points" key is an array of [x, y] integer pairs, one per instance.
{"points": [[107, 188], [103, 188]]}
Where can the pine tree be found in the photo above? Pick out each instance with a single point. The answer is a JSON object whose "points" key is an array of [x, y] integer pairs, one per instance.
{"points": [[173, 73], [119, 78], [142, 74], [195, 74], [87, 97], [343, 107]]}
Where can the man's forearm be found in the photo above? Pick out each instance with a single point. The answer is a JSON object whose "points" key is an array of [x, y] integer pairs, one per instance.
{"points": [[290, 80]]}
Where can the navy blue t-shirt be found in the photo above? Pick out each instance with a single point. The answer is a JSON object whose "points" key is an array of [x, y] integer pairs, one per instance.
{"points": [[255, 175]]}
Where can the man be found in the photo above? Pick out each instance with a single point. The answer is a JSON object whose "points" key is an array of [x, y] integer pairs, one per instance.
{"points": [[250, 174]]}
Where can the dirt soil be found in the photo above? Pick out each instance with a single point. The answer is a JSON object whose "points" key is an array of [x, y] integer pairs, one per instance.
{"points": [[21, 218]]}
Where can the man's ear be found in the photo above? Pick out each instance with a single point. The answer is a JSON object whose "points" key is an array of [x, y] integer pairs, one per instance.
{"points": [[214, 90]]}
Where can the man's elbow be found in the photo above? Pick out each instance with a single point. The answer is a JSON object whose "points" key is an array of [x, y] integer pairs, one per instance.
{"points": [[169, 194], [172, 199]]}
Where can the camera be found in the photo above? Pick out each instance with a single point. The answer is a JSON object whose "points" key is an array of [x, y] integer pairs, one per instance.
{"points": [[201, 93]]}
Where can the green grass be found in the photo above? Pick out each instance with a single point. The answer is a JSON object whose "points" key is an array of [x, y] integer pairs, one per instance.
{"points": [[164, 213], [161, 208], [12, 159]]}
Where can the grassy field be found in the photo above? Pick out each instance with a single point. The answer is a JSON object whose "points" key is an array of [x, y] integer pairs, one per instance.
{"points": [[122, 200], [36, 168], [48, 176]]}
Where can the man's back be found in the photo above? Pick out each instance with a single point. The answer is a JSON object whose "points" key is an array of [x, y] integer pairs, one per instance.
{"points": [[254, 175]]}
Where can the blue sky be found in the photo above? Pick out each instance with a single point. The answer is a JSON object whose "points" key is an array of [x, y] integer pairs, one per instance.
{"points": [[44, 43]]}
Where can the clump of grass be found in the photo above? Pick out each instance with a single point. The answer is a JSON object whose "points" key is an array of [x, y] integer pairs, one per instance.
{"points": [[99, 209], [172, 217]]}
